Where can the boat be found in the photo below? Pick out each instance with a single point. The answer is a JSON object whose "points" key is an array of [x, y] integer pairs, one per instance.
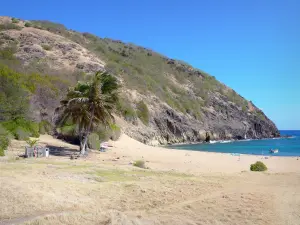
{"points": [[274, 151]]}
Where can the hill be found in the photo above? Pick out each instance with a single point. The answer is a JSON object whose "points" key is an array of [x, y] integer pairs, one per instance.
{"points": [[163, 100]]}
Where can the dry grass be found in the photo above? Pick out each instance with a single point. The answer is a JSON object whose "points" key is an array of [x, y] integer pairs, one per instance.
{"points": [[62, 191]]}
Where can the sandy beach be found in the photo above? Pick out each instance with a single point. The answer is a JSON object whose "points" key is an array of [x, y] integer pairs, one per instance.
{"points": [[179, 187], [194, 161]]}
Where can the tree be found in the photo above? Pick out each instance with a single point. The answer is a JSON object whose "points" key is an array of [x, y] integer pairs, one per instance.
{"points": [[89, 104]]}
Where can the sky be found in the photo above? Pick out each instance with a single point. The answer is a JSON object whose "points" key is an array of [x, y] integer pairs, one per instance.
{"points": [[253, 46]]}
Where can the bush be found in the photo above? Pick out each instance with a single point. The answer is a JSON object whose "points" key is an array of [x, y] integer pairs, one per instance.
{"points": [[143, 112], [46, 47], [115, 132], [4, 142], [5, 137], [140, 164], [15, 20], [21, 134], [8, 53], [93, 141], [103, 133], [258, 166], [67, 130], [45, 127], [27, 24], [9, 26], [32, 142], [21, 128], [126, 110]]}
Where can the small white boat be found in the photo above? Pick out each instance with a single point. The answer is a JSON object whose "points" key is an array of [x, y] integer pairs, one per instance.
{"points": [[274, 151]]}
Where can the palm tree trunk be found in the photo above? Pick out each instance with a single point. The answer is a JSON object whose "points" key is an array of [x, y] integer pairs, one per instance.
{"points": [[83, 146]]}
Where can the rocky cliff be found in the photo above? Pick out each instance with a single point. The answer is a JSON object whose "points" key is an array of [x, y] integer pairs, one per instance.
{"points": [[183, 104]]}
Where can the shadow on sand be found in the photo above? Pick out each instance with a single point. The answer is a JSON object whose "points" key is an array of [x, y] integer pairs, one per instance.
{"points": [[62, 151]]}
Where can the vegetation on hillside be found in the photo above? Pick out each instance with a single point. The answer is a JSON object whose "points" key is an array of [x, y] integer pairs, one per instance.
{"points": [[175, 82], [143, 112], [182, 87], [18, 84]]}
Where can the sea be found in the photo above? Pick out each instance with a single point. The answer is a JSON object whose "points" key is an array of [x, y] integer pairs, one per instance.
{"points": [[286, 146]]}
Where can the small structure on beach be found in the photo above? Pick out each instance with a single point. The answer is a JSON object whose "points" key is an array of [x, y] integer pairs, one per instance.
{"points": [[36, 151]]}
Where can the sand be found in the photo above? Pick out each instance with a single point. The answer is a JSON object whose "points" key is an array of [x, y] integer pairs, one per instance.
{"points": [[194, 161], [181, 187]]}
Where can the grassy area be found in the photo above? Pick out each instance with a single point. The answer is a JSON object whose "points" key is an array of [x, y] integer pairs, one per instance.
{"points": [[60, 191]]}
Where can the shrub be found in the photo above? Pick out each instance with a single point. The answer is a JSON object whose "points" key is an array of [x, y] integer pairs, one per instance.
{"points": [[4, 142], [31, 142], [126, 110], [258, 166], [67, 130], [103, 133], [46, 47], [7, 53], [27, 24], [140, 164], [5, 137], [21, 134], [115, 132], [45, 127], [93, 141], [15, 20], [9, 26], [22, 128], [34, 129], [143, 112]]}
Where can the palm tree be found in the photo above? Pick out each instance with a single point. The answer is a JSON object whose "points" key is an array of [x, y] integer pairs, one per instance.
{"points": [[89, 104]]}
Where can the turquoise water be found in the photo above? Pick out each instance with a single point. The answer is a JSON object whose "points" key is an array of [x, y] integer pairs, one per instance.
{"points": [[286, 146]]}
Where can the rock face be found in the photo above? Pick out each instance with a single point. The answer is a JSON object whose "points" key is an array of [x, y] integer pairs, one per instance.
{"points": [[185, 104], [167, 126]]}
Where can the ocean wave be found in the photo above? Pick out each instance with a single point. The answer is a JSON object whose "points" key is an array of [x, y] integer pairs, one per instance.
{"points": [[221, 141], [226, 141]]}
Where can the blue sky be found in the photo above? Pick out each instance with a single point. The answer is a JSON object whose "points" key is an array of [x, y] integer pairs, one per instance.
{"points": [[253, 46]]}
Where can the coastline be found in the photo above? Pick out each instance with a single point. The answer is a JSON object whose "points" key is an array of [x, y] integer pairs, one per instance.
{"points": [[125, 151], [224, 141], [187, 161]]}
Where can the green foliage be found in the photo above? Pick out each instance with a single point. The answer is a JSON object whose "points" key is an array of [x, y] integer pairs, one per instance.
{"points": [[104, 133], [143, 112], [21, 133], [7, 53], [260, 115], [125, 108], [45, 127], [68, 130], [27, 24], [90, 104], [22, 129], [140, 164], [47, 25], [94, 141], [47, 47], [15, 20], [115, 132], [14, 98], [258, 166], [4, 142], [5, 137], [9, 26], [32, 142]]}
